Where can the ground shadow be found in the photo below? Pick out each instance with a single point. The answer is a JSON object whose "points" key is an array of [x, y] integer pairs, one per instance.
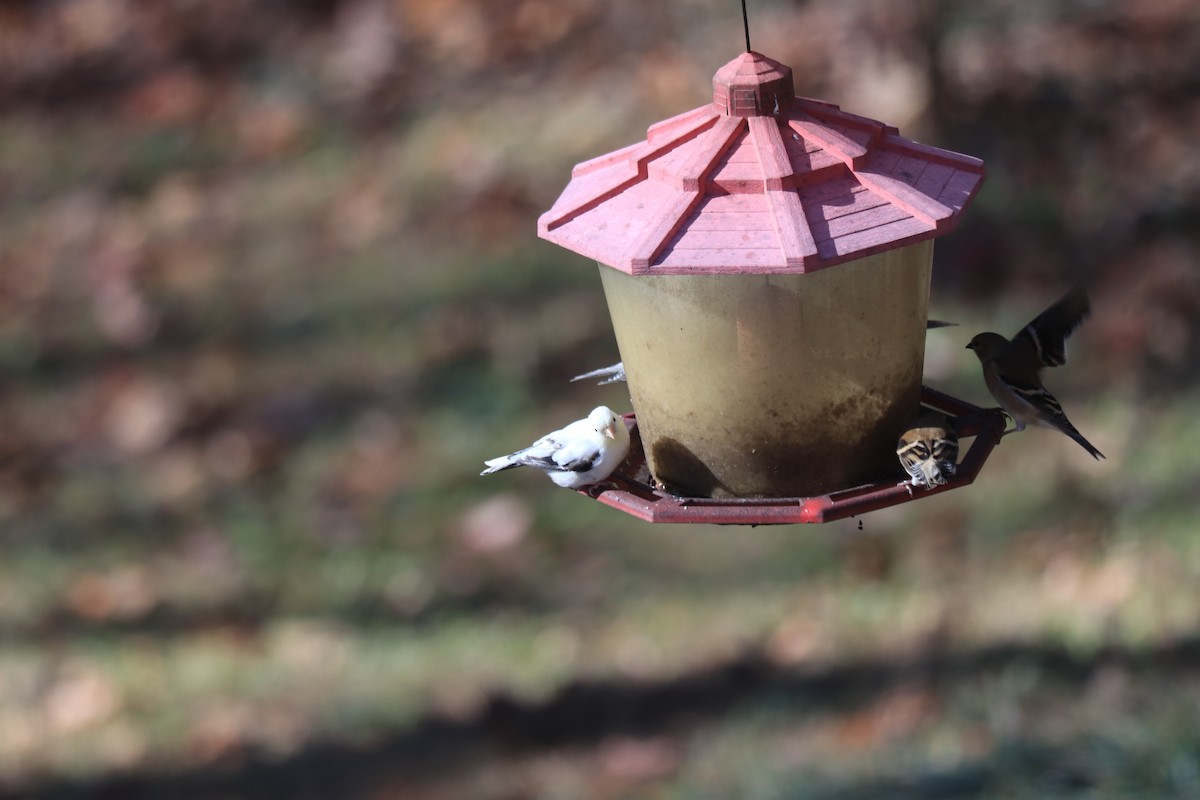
{"points": [[586, 712]]}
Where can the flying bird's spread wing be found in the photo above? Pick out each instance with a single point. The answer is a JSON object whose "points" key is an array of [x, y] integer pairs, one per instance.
{"points": [[1046, 336]]}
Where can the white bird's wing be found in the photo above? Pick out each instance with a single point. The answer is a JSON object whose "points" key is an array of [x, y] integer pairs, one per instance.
{"points": [[575, 448], [579, 456], [611, 374], [579, 447]]}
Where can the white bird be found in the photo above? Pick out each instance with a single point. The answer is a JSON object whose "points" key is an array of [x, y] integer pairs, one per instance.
{"points": [[585, 452], [929, 451], [1012, 369]]}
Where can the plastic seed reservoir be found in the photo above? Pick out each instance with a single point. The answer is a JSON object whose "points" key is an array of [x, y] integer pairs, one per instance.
{"points": [[774, 385]]}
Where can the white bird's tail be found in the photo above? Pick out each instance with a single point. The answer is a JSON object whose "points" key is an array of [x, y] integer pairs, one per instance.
{"points": [[498, 464]]}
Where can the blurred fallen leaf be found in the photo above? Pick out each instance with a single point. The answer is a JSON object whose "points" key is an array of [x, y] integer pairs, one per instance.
{"points": [[222, 728], [898, 714], [314, 645], [121, 744], [122, 593], [21, 734], [638, 760], [176, 476], [123, 314], [362, 213], [229, 456], [794, 642], [171, 97], [455, 30], [498, 524], [271, 128], [142, 413], [364, 47], [90, 26], [80, 698]]}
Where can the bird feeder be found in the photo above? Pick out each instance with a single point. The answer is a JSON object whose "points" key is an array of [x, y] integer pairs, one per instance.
{"points": [[766, 261]]}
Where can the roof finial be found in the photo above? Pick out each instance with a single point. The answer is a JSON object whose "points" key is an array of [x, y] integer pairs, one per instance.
{"points": [[746, 25]]}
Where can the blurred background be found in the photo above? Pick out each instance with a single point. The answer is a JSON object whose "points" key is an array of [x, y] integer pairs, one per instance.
{"points": [[270, 291]]}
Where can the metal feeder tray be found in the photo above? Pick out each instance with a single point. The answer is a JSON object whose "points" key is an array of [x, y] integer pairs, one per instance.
{"points": [[631, 490]]}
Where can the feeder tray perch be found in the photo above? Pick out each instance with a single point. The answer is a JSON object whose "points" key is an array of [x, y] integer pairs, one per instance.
{"points": [[630, 488]]}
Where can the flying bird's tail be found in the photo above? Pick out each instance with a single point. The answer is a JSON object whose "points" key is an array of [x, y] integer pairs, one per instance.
{"points": [[1069, 430]]}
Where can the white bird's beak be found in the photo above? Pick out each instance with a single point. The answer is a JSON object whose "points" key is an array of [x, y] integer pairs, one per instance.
{"points": [[610, 431]]}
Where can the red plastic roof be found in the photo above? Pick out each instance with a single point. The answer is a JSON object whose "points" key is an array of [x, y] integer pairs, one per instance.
{"points": [[759, 181]]}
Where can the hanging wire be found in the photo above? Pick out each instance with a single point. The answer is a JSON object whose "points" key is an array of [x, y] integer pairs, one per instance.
{"points": [[746, 25]]}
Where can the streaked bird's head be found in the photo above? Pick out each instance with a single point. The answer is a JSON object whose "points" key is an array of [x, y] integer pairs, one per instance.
{"points": [[605, 421], [988, 345]]}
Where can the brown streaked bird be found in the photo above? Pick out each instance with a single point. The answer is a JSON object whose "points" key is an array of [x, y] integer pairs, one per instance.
{"points": [[929, 451], [1012, 369]]}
